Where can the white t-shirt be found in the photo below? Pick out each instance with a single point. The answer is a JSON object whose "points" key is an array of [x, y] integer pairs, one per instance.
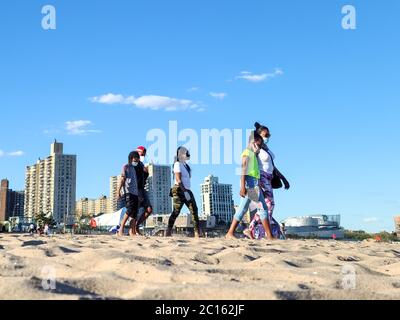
{"points": [[265, 161], [179, 167]]}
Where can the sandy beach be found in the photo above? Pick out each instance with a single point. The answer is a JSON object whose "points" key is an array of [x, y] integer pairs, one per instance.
{"points": [[108, 267]]}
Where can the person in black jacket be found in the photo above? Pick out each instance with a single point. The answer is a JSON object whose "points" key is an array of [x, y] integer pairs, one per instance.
{"points": [[142, 174]]}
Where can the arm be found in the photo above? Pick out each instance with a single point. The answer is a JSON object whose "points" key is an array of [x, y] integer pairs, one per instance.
{"points": [[146, 173], [245, 161], [122, 183]]}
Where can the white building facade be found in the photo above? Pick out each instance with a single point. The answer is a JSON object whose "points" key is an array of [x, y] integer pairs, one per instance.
{"points": [[158, 187], [50, 186], [217, 199]]}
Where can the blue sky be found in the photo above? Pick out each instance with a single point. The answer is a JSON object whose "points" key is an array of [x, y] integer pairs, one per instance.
{"points": [[330, 96]]}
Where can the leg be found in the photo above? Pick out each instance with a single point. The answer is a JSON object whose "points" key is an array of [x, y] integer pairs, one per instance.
{"points": [[132, 226], [268, 192], [139, 218], [132, 203], [265, 218], [144, 217], [148, 210], [244, 206], [249, 232], [178, 204], [122, 226], [194, 211]]}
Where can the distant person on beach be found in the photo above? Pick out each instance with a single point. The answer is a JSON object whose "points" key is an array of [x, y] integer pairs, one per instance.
{"points": [[31, 228], [181, 193], [144, 202], [46, 229], [249, 187], [129, 187], [267, 170]]}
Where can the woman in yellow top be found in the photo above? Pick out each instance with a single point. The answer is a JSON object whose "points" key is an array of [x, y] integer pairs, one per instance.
{"points": [[249, 187]]}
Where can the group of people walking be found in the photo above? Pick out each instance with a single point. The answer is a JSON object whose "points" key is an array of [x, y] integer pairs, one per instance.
{"points": [[259, 177]]}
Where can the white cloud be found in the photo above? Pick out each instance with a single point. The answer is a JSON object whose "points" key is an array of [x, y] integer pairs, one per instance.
{"points": [[109, 98], [251, 77], [79, 127], [16, 154], [152, 102], [218, 95], [160, 102], [370, 219], [193, 89], [11, 154]]}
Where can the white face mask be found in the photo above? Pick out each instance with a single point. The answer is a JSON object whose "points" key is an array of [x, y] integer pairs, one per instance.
{"points": [[142, 158], [266, 140], [135, 164]]}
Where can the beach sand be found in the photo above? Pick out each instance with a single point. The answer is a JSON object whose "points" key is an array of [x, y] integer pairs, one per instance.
{"points": [[108, 267]]}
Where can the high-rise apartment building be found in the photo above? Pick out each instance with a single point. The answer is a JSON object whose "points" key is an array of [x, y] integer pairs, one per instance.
{"points": [[397, 225], [90, 207], [50, 186], [158, 187], [4, 200], [11, 202], [217, 199], [114, 205]]}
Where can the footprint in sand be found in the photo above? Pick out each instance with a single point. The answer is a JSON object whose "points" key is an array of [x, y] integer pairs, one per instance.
{"points": [[300, 263], [205, 259], [14, 263], [33, 243], [293, 295], [229, 256], [68, 250], [396, 253], [263, 250], [63, 288], [50, 253], [303, 286], [349, 258]]}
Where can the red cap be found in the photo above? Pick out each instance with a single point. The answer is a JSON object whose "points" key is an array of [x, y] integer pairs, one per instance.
{"points": [[141, 149]]}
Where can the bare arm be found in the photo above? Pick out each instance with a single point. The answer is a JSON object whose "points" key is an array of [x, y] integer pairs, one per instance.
{"points": [[245, 163], [121, 184]]}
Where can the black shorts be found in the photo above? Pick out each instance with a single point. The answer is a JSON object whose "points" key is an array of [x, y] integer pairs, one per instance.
{"points": [[132, 205]]}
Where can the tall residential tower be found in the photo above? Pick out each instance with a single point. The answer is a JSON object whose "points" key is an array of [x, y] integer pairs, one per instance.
{"points": [[50, 186], [217, 199]]}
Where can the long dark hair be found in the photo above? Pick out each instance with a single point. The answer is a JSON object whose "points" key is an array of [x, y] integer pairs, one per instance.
{"points": [[177, 160], [133, 155], [253, 137], [260, 128]]}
